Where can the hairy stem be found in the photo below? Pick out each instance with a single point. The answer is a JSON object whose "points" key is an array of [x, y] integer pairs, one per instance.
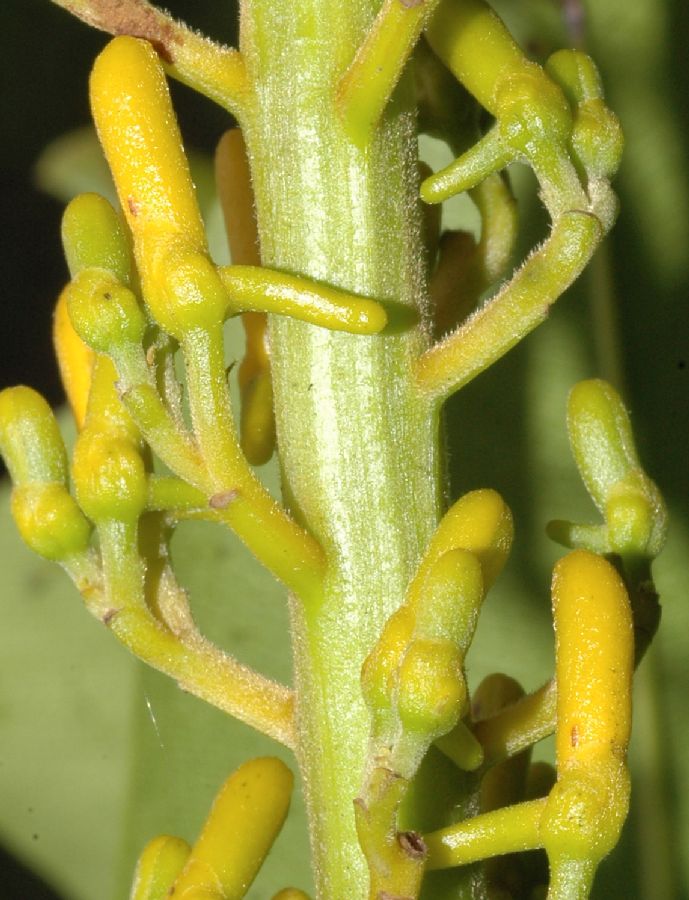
{"points": [[358, 445]]}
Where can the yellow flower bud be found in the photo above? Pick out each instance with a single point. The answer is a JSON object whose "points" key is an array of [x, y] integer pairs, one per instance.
{"points": [[594, 659], [577, 75], [431, 691], [137, 128], [75, 360], [109, 477], [161, 861], [105, 313], [602, 442], [49, 520], [30, 440], [594, 653], [532, 111], [585, 812], [244, 821], [481, 523], [93, 237], [379, 672]]}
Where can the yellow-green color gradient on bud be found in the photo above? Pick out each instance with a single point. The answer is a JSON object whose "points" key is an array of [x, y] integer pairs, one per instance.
{"points": [[448, 599], [109, 477], [602, 442], [596, 139], [93, 236], [481, 523], [431, 693], [104, 312], [30, 440], [137, 127], [161, 861], [49, 520]]}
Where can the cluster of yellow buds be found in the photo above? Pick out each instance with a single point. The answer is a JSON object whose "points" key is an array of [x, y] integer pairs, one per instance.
{"points": [[145, 288], [580, 819], [246, 817], [414, 684], [413, 679], [588, 703], [140, 289]]}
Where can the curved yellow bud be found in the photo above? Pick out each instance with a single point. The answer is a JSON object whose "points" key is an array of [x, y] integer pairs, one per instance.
{"points": [[246, 816], [602, 442], [104, 312], [75, 361], [267, 290], [161, 861]]}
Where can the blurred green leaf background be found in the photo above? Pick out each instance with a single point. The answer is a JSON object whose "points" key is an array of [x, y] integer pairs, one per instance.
{"points": [[98, 754]]}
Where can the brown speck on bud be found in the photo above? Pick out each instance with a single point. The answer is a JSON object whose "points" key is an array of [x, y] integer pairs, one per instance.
{"points": [[574, 736], [108, 616], [412, 843], [133, 206], [223, 499]]}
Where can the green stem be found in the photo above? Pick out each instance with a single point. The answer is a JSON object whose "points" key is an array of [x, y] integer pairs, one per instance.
{"points": [[358, 444]]}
